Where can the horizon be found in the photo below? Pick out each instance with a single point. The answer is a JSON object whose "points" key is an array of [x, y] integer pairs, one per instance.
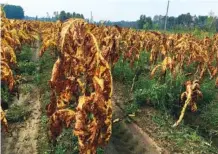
{"points": [[124, 10]]}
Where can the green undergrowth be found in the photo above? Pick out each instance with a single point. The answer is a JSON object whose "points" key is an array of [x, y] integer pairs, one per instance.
{"points": [[163, 94], [183, 139], [41, 79]]}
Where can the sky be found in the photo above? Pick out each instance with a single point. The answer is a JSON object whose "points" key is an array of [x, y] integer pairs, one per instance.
{"points": [[116, 10]]}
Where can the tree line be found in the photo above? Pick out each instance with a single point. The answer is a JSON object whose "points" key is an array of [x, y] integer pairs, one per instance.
{"points": [[182, 22], [17, 12], [62, 16], [13, 11], [66, 15]]}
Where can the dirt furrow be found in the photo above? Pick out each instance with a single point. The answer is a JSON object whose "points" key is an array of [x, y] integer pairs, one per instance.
{"points": [[23, 137], [128, 138]]}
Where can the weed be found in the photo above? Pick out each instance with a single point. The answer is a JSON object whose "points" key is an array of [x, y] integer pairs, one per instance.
{"points": [[122, 71], [17, 113], [131, 108]]}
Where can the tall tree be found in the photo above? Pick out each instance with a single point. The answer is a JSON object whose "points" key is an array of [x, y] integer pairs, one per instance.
{"points": [[148, 23], [141, 21], [144, 22], [184, 20], [14, 12], [62, 16], [171, 22]]}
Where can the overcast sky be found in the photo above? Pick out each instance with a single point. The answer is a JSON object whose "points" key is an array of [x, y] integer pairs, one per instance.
{"points": [[116, 10]]}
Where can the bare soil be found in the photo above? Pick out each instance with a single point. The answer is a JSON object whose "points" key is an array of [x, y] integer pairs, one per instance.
{"points": [[23, 137]]}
